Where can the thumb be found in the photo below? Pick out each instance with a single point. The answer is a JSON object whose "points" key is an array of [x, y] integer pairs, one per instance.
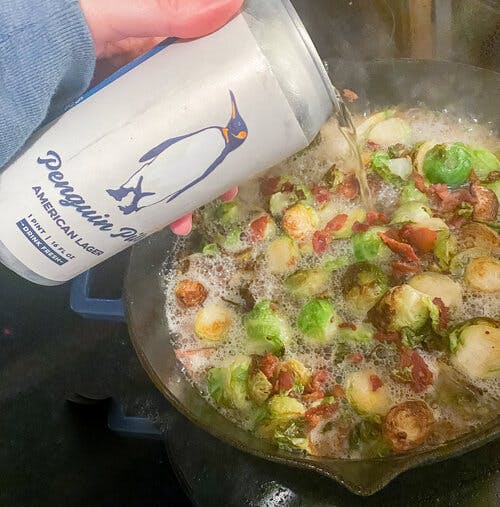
{"points": [[115, 20]]}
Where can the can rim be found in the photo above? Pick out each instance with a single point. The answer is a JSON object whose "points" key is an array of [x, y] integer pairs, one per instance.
{"points": [[313, 53]]}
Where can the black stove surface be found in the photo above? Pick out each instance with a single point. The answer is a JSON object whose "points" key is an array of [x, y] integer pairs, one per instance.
{"points": [[53, 452]]}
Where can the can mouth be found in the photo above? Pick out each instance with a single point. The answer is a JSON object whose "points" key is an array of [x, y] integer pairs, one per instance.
{"points": [[313, 53]]}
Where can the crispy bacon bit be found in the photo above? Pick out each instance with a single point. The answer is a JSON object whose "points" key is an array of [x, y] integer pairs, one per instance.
{"points": [[355, 358], [401, 270], [320, 241], [284, 382], [404, 250], [421, 375], [269, 366], [450, 201], [288, 186], [423, 240], [389, 337], [372, 146], [258, 228], [358, 227], [321, 194], [376, 218], [348, 325], [317, 381], [312, 397], [350, 95], [444, 313], [336, 223], [375, 382], [314, 415], [349, 188], [419, 181], [338, 392], [268, 186]]}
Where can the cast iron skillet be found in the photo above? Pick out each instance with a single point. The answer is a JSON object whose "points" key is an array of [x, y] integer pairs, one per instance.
{"points": [[459, 88]]}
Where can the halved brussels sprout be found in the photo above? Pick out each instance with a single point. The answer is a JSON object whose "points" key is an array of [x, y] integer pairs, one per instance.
{"points": [[401, 307], [448, 164], [483, 274], [484, 162], [414, 211], [445, 248], [190, 293], [392, 171], [476, 348], [421, 153], [476, 235], [293, 436], [389, 132], [300, 221], [408, 425], [368, 246], [228, 386], [259, 387], [439, 286], [367, 125], [367, 437], [228, 213], [267, 330], [285, 407], [363, 285], [486, 205], [362, 335], [495, 187], [232, 242], [282, 255], [280, 202], [213, 322], [318, 321], [299, 372], [365, 395], [308, 282], [411, 194]]}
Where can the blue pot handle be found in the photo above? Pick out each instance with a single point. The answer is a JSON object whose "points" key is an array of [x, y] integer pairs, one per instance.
{"points": [[92, 308]]}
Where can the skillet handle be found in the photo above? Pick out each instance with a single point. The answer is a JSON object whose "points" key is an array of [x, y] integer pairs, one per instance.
{"points": [[92, 308]]}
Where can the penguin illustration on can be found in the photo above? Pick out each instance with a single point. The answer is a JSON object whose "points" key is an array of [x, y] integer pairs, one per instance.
{"points": [[150, 185]]}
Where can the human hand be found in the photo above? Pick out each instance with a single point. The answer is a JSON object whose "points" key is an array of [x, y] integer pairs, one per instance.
{"points": [[124, 29]]}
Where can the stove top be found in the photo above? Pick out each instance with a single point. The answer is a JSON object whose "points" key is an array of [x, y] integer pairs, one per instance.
{"points": [[78, 454]]}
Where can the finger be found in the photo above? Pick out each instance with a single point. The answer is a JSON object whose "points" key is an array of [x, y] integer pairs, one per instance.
{"points": [[183, 226], [229, 196], [115, 20]]}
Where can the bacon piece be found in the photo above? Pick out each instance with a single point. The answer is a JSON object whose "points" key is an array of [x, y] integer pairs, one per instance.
{"points": [[355, 358], [320, 241], [348, 325], [315, 396], [376, 218], [419, 181], [421, 375], [258, 228], [390, 337], [423, 240], [349, 188], [285, 381], [444, 313], [314, 415], [375, 382], [336, 223], [350, 95], [358, 227], [401, 270], [404, 250], [373, 146], [338, 391], [269, 366], [450, 201], [269, 186], [317, 381], [321, 194]]}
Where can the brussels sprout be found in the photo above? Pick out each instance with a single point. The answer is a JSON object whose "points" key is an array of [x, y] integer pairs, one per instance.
{"points": [[363, 285], [484, 162], [364, 128], [282, 255], [483, 274], [421, 151], [367, 437], [267, 330], [476, 235], [190, 293], [445, 248], [401, 307], [284, 407], [259, 387], [213, 322], [210, 250], [448, 164], [392, 171], [318, 321], [363, 397], [280, 202], [356, 215], [415, 212], [232, 241], [362, 335], [476, 348], [300, 221], [408, 425], [295, 368], [389, 132], [460, 261], [439, 286], [228, 213], [485, 208], [368, 246], [308, 282], [412, 194], [495, 187], [228, 386], [293, 437]]}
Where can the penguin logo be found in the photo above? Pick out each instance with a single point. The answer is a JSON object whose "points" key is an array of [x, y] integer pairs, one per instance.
{"points": [[206, 148]]}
